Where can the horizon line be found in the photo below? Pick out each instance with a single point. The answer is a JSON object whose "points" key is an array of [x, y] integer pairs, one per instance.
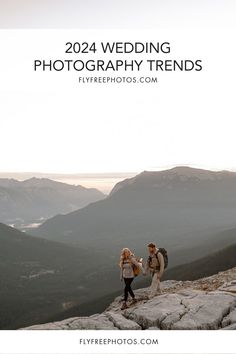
{"points": [[152, 169]]}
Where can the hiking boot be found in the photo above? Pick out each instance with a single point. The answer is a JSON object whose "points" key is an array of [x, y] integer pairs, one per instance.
{"points": [[133, 301], [124, 306]]}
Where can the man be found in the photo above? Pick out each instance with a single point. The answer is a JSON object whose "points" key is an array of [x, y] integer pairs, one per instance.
{"points": [[155, 265]]}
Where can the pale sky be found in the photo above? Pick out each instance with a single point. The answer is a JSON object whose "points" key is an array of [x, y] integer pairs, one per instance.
{"points": [[116, 14], [50, 123]]}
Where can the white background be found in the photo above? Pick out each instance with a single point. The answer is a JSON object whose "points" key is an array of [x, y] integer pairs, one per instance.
{"points": [[51, 123], [67, 342]]}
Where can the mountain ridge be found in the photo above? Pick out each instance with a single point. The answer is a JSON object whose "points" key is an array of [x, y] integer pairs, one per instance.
{"points": [[179, 171], [36, 199], [177, 214]]}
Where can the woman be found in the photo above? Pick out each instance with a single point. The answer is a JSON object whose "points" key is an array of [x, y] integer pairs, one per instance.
{"points": [[127, 262]]}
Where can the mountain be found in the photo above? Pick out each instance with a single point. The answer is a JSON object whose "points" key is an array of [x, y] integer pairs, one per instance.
{"points": [[204, 304], [41, 278], [183, 209], [169, 178], [36, 199]]}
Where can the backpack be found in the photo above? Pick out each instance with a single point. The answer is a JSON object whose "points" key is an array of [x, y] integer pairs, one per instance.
{"points": [[136, 269], [163, 251]]}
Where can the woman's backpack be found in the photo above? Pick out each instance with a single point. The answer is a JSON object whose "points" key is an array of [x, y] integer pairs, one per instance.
{"points": [[137, 270]]}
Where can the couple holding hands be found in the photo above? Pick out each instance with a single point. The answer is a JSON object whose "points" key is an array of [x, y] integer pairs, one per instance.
{"points": [[130, 267]]}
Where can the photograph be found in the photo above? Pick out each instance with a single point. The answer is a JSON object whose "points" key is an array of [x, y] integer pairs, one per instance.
{"points": [[118, 169]]}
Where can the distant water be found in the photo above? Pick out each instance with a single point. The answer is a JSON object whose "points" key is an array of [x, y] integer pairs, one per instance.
{"points": [[103, 183], [24, 227]]}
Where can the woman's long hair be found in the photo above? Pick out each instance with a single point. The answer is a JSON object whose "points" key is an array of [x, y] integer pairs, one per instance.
{"points": [[122, 255]]}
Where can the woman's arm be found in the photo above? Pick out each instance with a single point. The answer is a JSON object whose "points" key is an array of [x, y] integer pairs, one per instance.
{"points": [[121, 272]]}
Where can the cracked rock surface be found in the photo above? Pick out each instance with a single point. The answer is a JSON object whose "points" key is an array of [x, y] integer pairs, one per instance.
{"points": [[208, 303]]}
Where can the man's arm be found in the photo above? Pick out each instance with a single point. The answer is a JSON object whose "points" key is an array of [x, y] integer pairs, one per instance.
{"points": [[147, 266]]}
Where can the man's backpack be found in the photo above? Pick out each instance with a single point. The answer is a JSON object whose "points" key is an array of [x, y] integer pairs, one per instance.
{"points": [[163, 251]]}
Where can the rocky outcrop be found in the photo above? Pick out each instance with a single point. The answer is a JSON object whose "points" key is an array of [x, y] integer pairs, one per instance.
{"points": [[208, 303]]}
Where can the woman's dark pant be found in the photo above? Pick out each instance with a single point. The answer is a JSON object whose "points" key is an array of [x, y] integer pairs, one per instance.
{"points": [[128, 289]]}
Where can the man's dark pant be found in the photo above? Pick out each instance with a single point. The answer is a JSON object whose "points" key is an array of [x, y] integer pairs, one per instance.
{"points": [[128, 289]]}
